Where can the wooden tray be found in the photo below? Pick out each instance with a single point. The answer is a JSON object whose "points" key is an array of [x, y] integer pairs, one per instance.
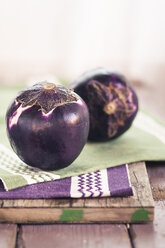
{"points": [[134, 209]]}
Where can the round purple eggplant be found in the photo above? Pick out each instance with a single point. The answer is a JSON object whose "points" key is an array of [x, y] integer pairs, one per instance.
{"points": [[111, 101], [47, 126]]}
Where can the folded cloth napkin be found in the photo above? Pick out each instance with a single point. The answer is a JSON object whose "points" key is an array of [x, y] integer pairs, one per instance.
{"points": [[145, 140], [108, 182]]}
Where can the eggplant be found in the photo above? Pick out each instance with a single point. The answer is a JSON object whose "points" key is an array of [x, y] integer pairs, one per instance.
{"points": [[112, 102], [47, 125]]}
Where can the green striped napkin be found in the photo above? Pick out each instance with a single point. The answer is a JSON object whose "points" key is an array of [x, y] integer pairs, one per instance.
{"points": [[145, 140]]}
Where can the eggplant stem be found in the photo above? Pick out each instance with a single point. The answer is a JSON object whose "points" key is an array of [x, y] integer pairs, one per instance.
{"points": [[110, 108], [49, 86]]}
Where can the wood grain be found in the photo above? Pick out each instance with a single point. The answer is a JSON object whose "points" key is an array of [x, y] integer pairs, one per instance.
{"points": [[89, 215], [8, 234], [153, 234], [156, 173], [119, 209], [73, 236]]}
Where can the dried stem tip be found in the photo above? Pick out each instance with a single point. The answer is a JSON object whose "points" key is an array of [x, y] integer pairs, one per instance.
{"points": [[49, 86]]}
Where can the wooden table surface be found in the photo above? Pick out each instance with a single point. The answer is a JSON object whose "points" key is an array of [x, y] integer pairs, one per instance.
{"points": [[102, 235]]}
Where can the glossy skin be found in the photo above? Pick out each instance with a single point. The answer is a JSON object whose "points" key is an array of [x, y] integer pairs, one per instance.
{"points": [[111, 101], [51, 140]]}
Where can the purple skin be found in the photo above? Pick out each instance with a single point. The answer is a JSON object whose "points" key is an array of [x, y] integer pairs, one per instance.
{"points": [[111, 101], [51, 129]]}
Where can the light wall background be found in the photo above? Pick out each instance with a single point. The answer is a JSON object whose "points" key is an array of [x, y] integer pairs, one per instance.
{"points": [[43, 39]]}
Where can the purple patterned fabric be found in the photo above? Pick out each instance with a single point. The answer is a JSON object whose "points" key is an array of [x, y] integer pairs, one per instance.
{"points": [[109, 182], [118, 183]]}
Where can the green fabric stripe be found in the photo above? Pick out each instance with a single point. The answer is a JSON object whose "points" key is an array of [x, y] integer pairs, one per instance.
{"points": [[17, 181], [135, 145], [150, 126], [155, 118]]}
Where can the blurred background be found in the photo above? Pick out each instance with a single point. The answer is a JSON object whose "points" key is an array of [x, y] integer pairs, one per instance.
{"points": [[49, 39]]}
